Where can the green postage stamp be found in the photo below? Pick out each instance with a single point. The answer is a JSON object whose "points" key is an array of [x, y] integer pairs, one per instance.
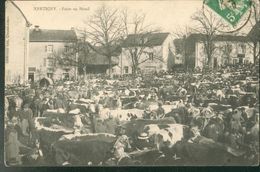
{"points": [[231, 10]]}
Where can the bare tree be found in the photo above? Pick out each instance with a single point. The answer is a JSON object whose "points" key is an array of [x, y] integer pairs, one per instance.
{"points": [[181, 34], [226, 49], [208, 25], [135, 26], [254, 22], [74, 54], [105, 29]]}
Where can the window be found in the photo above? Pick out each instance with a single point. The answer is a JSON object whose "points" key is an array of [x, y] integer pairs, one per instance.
{"points": [[44, 62], [241, 48], [66, 48], [49, 75], [228, 48], [177, 57], [66, 76], [150, 56], [235, 61], [50, 62], [49, 48], [31, 77], [126, 70]]}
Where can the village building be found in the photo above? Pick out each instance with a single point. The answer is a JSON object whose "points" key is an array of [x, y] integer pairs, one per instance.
{"points": [[228, 50], [155, 53], [16, 44], [44, 46], [254, 36], [95, 60]]}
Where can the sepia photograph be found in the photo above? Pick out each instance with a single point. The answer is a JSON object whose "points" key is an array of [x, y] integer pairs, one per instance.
{"points": [[131, 83]]}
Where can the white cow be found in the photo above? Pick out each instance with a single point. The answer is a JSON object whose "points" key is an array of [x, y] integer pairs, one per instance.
{"points": [[75, 111], [167, 108], [168, 137], [60, 110], [121, 114], [165, 135]]}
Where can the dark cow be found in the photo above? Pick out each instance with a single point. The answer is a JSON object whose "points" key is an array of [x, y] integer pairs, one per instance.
{"points": [[214, 129], [206, 153], [89, 149]]}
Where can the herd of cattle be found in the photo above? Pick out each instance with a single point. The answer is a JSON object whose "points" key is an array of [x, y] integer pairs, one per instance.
{"points": [[78, 127]]}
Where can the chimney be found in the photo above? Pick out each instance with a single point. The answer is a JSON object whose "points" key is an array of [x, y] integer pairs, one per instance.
{"points": [[36, 27]]}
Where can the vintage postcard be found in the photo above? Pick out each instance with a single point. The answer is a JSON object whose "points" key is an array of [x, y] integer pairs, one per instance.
{"points": [[132, 83]]}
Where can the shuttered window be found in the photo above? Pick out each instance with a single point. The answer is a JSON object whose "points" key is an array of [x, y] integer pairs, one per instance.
{"points": [[44, 62], [49, 48]]}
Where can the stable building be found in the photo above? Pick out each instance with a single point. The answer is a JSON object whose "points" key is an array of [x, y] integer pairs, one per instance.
{"points": [[95, 60]]}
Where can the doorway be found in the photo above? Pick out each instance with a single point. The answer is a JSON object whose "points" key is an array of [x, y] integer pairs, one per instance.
{"points": [[31, 77]]}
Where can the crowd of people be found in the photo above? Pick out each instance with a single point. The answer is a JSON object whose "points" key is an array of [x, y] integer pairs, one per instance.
{"points": [[221, 105]]}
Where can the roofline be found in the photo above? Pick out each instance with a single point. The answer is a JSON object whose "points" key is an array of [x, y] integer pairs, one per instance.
{"points": [[149, 33], [168, 33], [28, 24], [44, 29], [143, 46], [70, 40], [217, 36], [247, 41], [54, 41]]}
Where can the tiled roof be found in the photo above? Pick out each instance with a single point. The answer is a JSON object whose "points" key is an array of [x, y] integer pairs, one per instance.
{"points": [[201, 37], [44, 35], [148, 40]]}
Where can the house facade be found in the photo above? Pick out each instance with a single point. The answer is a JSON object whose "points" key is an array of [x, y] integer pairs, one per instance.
{"points": [[227, 50], [16, 44], [154, 53], [44, 45]]}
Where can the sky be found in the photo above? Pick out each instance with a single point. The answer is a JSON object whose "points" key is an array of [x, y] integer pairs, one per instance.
{"points": [[166, 15]]}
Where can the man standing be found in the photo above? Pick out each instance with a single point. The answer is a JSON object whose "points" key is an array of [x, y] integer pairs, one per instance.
{"points": [[26, 118], [160, 111]]}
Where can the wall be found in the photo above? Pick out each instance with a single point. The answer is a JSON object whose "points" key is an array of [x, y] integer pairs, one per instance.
{"points": [[16, 49], [155, 64], [200, 55], [38, 59], [158, 63]]}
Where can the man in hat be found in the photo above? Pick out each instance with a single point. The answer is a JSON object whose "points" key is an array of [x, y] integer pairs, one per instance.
{"points": [[26, 118], [147, 113], [142, 142]]}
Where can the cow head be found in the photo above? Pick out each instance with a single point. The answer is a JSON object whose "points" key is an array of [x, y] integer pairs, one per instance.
{"points": [[163, 139]]}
